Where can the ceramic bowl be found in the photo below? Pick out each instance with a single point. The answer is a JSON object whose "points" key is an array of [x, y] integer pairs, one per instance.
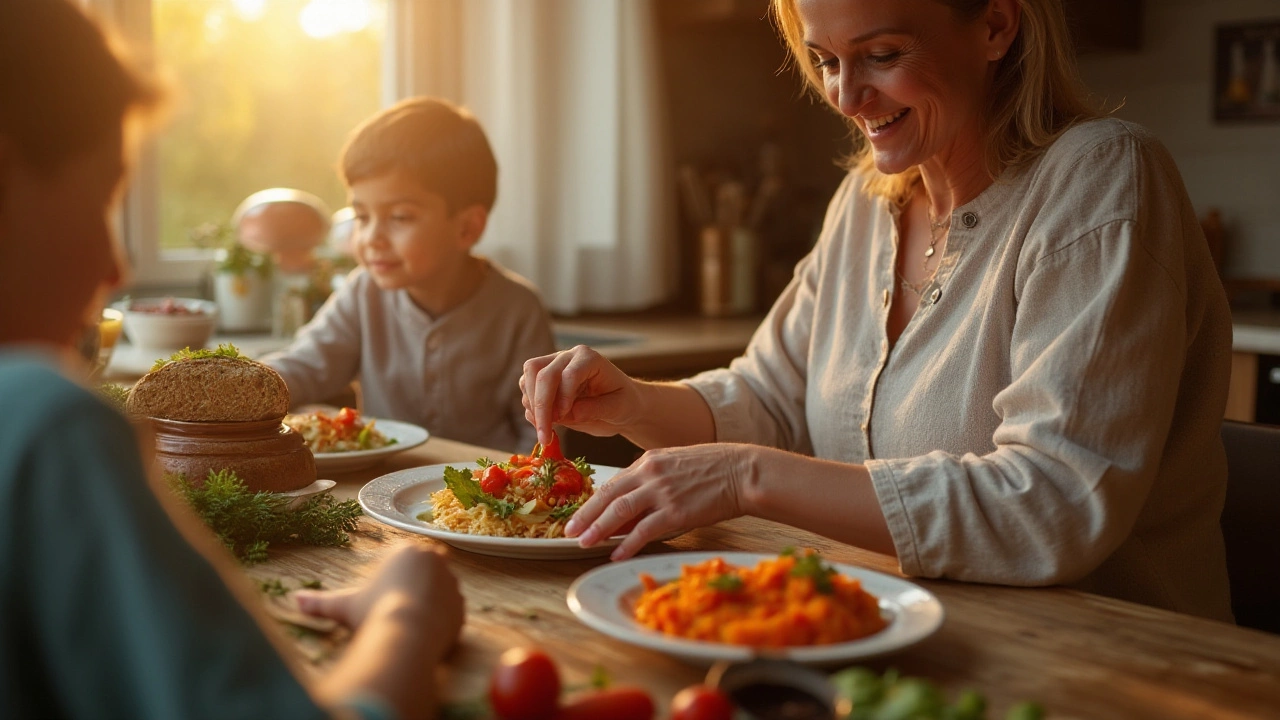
{"points": [[168, 323]]}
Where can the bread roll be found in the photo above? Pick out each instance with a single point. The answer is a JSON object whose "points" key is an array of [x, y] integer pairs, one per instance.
{"points": [[210, 389]]}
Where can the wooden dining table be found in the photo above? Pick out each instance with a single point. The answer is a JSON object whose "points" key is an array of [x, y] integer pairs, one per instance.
{"points": [[1076, 654]]}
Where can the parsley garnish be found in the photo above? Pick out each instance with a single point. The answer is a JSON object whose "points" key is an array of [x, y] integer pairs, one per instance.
{"points": [[583, 468], [727, 582], [810, 565], [469, 492], [545, 476], [565, 511]]}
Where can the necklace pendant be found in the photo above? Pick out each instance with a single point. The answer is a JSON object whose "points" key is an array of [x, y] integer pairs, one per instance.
{"points": [[929, 253]]}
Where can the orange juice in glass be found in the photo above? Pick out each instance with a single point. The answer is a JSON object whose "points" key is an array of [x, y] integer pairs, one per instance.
{"points": [[109, 328]]}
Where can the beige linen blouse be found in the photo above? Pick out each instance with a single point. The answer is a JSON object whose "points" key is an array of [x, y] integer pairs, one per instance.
{"points": [[1050, 414]]}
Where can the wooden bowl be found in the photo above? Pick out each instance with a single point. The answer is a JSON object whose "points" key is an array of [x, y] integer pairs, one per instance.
{"points": [[266, 454]]}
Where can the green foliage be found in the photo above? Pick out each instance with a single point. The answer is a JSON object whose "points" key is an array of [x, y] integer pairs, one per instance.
{"points": [[114, 394], [249, 522], [273, 587], [565, 511], [226, 350], [892, 697], [728, 582], [810, 565]]}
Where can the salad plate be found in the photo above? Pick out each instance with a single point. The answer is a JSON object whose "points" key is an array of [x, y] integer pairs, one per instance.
{"points": [[604, 598], [399, 498], [406, 436]]}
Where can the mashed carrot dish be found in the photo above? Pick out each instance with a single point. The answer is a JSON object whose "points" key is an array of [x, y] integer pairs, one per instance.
{"points": [[794, 599]]}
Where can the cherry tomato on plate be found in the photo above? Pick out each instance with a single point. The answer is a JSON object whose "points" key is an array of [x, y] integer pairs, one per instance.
{"points": [[494, 480], [568, 481], [346, 417], [616, 703], [701, 702], [525, 686]]}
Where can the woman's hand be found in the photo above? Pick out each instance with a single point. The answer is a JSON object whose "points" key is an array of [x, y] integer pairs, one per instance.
{"points": [[414, 581], [580, 389], [673, 489]]}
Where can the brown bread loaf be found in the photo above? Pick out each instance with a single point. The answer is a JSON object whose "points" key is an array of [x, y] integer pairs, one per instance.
{"points": [[210, 389]]}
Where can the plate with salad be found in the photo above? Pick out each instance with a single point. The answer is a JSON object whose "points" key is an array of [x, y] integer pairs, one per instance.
{"points": [[345, 440], [515, 507]]}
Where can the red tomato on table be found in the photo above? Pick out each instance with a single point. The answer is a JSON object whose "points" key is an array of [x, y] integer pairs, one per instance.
{"points": [[524, 686], [619, 703], [701, 702]]}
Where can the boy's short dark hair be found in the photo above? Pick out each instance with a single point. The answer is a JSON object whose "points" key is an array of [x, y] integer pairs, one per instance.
{"points": [[439, 143], [64, 89]]}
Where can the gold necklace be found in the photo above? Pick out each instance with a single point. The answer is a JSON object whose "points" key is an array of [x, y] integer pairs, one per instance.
{"points": [[937, 230]]}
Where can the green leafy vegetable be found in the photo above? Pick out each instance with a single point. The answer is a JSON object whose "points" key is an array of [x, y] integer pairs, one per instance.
{"points": [[870, 696], [469, 492], [583, 468], [728, 582], [273, 587], [545, 476], [249, 522], [484, 462], [226, 350]]}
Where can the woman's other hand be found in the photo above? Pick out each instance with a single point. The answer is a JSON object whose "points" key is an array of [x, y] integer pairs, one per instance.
{"points": [[580, 389], [668, 490], [414, 582]]}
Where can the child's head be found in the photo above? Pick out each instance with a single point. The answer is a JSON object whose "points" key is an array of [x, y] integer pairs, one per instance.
{"points": [[438, 144], [421, 179], [65, 97]]}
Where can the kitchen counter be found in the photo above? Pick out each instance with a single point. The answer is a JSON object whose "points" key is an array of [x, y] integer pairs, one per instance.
{"points": [[655, 347], [1256, 331]]}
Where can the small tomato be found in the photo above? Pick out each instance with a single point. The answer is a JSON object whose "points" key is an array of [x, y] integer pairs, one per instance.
{"points": [[616, 703], [701, 702], [494, 480], [524, 686]]}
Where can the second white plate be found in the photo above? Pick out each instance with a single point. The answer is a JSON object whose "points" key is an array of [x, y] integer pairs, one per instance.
{"points": [[604, 599], [399, 497], [406, 435]]}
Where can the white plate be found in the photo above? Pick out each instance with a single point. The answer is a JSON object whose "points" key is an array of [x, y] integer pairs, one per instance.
{"points": [[405, 434], [398, 498], [604, 599]]}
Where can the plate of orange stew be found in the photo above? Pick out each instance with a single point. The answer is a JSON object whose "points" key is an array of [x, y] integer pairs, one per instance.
{"points": [[704, 607]]}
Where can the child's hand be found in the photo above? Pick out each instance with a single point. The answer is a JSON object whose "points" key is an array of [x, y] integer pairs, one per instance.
{"points": [[580, 389], [413, 578]]}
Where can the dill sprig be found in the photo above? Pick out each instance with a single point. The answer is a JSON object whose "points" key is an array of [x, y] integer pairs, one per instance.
{"points": [[248, 522], [115, 395]]}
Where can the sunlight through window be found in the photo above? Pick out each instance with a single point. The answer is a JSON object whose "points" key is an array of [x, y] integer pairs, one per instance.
{"points": [[266, 94]]}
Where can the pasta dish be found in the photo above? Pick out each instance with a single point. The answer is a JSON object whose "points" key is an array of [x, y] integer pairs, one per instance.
{"points": [[342, 432], [794, 599], [529, 496]]}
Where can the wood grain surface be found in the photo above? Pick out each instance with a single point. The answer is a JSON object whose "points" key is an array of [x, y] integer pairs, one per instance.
{"points": [[1079, 655]]}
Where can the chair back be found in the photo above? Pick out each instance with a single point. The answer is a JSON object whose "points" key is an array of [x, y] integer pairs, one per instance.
{"points": [[1251, 523]]}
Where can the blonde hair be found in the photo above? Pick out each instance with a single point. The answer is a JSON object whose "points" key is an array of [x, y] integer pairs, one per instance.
{"points": [[1037, 93], [439, 143]]}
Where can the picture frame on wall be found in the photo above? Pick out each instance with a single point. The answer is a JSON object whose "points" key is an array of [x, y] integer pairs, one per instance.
{"points": [[1246, 83]]}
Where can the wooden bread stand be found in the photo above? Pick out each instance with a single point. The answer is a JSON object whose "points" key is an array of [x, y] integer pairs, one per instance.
{"points": [[1078, 655]]}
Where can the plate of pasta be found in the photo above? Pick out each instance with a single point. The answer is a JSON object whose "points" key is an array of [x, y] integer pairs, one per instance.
{"points": [[513, 508], [345, 441], [705, 607]]}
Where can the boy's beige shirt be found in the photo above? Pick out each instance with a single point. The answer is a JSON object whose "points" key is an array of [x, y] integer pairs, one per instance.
{"points": [[457, 375], [1051, 412]]}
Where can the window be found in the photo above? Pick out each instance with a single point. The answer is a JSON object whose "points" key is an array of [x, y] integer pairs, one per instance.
{"points": [[265, 92]]}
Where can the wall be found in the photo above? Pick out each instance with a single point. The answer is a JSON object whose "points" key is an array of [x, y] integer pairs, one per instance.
{"points": [[1168, 87]]}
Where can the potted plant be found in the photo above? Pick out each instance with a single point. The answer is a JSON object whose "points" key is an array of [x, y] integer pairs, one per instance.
{"points": [[242, 280]]}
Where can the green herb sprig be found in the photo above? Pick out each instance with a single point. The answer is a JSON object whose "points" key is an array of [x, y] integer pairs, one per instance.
{"points": [[226, 350], [249, 522], [870, 696], [115, 395], [809, 564]]}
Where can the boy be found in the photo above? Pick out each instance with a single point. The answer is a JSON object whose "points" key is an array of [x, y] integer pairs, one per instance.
{"points": [[109, 613], [435, 335]]}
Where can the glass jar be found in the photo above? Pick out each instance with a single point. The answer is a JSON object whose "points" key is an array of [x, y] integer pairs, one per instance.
{"points": [[266, 454]]}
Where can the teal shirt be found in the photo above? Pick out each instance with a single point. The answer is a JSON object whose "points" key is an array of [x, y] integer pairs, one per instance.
{"points": [[105, 610]]}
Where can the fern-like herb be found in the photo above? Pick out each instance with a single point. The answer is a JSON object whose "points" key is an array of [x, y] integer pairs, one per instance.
{"points": [[226, 350], [114, 394], [249, 522]]}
